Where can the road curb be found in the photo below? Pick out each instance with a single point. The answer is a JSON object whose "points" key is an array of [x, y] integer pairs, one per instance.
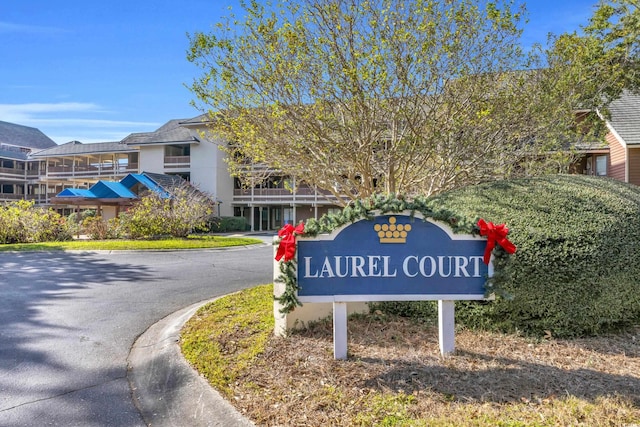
{"points": [[166, 389]]}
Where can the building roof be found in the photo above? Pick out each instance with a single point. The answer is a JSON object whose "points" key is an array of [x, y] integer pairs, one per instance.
{"points": [[170, 132], [8, 153], [198, 120], [112, 192], [76, 192], [132, 179], [167, 182], [24, 136], [625, 117], [77, 147]]}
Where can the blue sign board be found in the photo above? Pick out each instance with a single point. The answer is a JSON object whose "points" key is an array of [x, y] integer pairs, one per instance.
{"points": [[392, 257]]}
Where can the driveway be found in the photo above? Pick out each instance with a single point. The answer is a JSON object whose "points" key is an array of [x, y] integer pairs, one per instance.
{"points": [[68, 321]]}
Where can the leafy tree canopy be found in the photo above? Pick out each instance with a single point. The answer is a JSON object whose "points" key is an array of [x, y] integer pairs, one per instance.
{"points": [[364, 96], [604, 59]]}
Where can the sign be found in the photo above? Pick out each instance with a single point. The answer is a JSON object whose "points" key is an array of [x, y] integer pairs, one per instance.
{"points": [[392, 258]]}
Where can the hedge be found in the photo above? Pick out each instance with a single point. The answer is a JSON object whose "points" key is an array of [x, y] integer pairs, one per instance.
{"points": [[577, 268], [227, 224]]}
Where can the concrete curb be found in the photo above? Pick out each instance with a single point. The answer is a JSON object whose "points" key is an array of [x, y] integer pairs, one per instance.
{"points": [[166, 389]]}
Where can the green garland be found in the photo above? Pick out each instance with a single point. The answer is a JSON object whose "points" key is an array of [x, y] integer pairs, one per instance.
{"points": [[366, 209]]}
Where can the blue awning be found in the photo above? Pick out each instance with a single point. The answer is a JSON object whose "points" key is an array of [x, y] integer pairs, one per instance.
{"points": [[76, 192], [137, 178], [111, 190], [116, 190]]}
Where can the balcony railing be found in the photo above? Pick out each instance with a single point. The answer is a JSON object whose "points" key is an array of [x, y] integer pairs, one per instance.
{"points": [[177, 161], [91, 171], [19, 173], [281, 195], [11, 197]]}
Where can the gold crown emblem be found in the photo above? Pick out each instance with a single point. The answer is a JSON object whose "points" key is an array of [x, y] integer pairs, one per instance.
{"points": [[392, 233]]}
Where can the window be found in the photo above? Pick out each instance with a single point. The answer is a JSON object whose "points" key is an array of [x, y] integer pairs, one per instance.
{"points": [[288, 215], [601, 165]]}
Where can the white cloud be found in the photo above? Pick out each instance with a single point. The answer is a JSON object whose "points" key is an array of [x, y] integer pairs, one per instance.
{"points": [[10, 27], [21, 113], [68, 121]]}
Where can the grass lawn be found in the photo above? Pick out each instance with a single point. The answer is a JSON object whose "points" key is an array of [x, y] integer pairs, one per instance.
{"points": [[192, 242], [395, 375]]}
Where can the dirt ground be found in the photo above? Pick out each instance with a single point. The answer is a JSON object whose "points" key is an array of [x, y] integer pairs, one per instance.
{"points": [[394, 364]]}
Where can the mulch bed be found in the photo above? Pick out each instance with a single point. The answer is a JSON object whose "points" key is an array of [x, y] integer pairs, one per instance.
{"points": [[297, 382]]}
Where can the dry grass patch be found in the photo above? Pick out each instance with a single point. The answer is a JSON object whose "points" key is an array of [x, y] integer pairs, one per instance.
{"points": [[395, 376]]}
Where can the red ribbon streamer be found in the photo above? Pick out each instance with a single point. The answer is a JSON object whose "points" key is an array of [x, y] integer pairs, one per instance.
{"points": [[495, 234], [287, 247]]}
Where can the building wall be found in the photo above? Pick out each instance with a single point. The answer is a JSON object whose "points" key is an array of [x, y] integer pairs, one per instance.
{"points": [[617, 159], [152, 159], [209, 174], [224, 192]]}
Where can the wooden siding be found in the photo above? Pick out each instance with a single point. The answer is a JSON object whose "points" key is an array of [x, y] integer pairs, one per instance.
{"points": [[617, 158]]}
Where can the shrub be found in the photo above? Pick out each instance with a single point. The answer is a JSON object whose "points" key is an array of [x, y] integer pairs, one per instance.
{"points": [[226, 224], [98, 228], [577, 265], [22, 222], [420, 310], [153, 215]]}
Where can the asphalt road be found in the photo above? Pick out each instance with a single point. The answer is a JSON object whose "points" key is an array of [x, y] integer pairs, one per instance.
{"points": [[68, 321]]}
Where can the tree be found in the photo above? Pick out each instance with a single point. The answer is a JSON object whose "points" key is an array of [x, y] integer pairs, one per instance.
{"points": [[604, 59], [365, 96]]}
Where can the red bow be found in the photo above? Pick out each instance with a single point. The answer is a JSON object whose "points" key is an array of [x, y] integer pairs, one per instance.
{"points": [[495, 234], [287, 247]]}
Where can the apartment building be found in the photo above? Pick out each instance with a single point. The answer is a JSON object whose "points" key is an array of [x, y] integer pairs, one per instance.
{"points": [[33, 167], [19, 174]]}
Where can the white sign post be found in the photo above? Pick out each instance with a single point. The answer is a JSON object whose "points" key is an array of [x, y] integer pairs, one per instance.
{"points": [[446, 326], [340, 330]]}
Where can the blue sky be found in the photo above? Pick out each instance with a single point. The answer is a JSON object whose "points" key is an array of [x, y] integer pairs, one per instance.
{"points": [[96, 71]]}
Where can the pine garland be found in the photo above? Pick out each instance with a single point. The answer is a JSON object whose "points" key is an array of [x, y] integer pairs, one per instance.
{"points": [[366, 209]]}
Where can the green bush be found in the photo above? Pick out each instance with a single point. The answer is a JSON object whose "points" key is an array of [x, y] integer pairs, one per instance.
{"points": [[578, 261], [419, 310], [227, 224], [576, 269], [22, 222]]}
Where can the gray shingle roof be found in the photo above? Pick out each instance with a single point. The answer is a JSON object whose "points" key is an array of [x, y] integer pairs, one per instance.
{"points": [[198, 120], [170, 132], [76, 147], [11, 154], [24, 136], [625, 117], [168, 182]]}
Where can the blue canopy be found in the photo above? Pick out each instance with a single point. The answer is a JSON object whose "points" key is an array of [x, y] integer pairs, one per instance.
{"points": [[111, 190], [137, 178], [116, 190], [75, 192]]}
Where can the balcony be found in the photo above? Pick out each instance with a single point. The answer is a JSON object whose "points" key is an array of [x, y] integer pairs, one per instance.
{"points": [[9, 197], [91, 171], [303, 195], [12, 172], [174, 162]]}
